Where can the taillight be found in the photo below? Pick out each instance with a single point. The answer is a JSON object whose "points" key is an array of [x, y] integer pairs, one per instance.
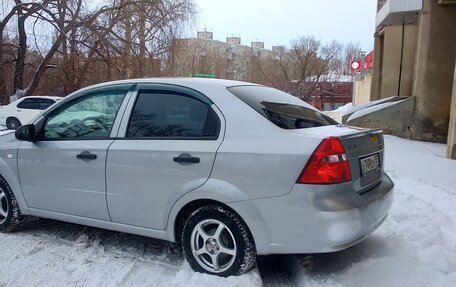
{"points": [[327, 165]]}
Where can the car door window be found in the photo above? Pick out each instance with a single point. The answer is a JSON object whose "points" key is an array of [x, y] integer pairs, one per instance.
{"points": [[31, 104], [172, 115], [45, 103], [90, 117]]}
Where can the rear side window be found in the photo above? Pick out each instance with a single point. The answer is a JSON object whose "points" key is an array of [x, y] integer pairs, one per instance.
{"points": [[45, 103], [282, 109], [164, 114], [35, 104]]}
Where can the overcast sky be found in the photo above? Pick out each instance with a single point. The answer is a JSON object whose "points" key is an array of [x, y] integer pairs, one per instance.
{"points": [[276, 22]]}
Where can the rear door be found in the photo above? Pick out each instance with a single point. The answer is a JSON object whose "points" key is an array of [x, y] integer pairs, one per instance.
{"points": [[166, 147]]}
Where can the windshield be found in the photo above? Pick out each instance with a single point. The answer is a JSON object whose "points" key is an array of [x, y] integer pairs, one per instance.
{"points": [[282, 109]]}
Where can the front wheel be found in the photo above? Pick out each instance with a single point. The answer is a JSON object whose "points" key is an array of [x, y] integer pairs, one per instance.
{"points": [[217, 241], [13, 123], [10, 215]]}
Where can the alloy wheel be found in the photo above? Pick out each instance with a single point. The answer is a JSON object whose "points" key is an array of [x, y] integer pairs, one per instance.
{"points": [[3, 206], [213, 246], [13, 124]]}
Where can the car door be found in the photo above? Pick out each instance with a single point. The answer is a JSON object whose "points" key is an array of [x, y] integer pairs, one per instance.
{"points": [[64, 171], [166, 147]]}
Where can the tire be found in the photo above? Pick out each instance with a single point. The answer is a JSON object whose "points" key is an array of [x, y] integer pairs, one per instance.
{"points": [[219, 234], [10, 215], [13, 123]]}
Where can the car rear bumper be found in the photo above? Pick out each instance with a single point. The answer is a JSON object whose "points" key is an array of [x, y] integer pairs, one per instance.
{"points": [[323, 218]]}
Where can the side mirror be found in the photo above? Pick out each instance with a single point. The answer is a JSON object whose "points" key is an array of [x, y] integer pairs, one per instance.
{"points": [[26, 133]]}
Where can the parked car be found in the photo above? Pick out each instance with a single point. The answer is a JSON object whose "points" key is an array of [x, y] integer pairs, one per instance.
{"points": [[228, 169], [24, 110]]}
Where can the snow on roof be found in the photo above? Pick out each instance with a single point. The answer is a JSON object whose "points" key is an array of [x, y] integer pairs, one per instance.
{"points": [[333, 78]]}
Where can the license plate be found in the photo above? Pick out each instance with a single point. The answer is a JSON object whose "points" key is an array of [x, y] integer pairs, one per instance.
{"points": [[370, 163]]}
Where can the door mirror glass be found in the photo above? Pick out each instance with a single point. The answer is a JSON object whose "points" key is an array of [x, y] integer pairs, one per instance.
{"points": [[26, 133]]}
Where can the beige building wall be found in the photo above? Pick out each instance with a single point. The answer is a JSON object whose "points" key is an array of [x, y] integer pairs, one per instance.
{"points": [[451, 144], [376, 85], [434, 77], [362, 90], [389, 43], [428, 66]]}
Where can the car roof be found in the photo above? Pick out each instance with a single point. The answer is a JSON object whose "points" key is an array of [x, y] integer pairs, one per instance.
{"points": [[42, 97], [190, 82]]}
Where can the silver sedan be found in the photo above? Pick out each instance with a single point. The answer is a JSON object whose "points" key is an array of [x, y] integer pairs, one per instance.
{"points": [[229, 169]]}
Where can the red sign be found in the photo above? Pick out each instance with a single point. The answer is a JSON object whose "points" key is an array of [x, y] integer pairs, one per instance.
{"points": [[355, 66]]}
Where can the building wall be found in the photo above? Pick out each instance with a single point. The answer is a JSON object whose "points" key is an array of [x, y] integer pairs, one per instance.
{"points": [[428, 68], [376, 85], [362, 90], [390, 62], [435, 63], [451, 144], [332, 95]]}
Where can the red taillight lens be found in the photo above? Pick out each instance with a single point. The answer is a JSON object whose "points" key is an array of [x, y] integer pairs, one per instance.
{"points": [[327, 165]]}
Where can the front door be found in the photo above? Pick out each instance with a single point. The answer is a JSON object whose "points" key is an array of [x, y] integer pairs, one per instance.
{"points": [[64, 171], [168, 149]]}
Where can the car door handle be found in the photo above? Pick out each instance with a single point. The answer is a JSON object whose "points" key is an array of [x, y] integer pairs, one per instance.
{"points": [[86, 155], [186, 158]]}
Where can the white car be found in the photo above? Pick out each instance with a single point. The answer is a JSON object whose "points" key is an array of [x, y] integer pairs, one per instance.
{"points": [[23, 110]]}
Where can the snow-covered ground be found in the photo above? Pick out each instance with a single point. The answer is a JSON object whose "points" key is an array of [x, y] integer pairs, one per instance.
{"points": [[416, 246]]}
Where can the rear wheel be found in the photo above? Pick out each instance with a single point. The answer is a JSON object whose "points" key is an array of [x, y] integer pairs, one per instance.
{"points": [[217, 241], [13, 123], [10, 215]]}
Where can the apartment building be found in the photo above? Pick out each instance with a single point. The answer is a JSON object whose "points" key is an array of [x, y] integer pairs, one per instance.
{"points": [[227, 60]]}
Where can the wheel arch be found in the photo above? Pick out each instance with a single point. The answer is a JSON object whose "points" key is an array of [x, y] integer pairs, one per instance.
{"points": [[187, 210], [246, 210], [10, 177], [12, 117]]}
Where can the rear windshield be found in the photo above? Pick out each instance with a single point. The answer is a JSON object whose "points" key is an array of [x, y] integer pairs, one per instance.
{"points": [[282, 109]]}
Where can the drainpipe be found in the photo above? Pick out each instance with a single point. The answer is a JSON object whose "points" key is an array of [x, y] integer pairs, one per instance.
{"points": [[402, 57]]}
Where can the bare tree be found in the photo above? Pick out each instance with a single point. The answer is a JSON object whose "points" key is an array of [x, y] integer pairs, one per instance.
{"points": [[146, 32], [303, 67], [9, 15], [87, 44], [49, 13], [199, 56]]}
